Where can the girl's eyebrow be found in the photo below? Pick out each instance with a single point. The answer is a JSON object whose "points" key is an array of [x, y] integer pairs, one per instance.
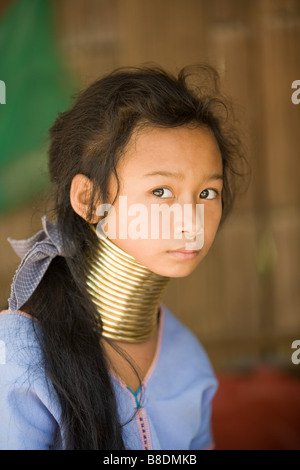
{"points": [[179, 175], [172, 174]]}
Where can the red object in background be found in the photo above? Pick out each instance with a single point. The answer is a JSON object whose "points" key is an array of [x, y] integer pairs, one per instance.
{"points": [[257, 410]]}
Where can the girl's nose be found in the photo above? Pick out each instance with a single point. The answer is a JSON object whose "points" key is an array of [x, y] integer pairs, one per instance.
{"points": [[191, 225]]}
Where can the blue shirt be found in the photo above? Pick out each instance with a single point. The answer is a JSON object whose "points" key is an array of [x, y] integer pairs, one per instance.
{"points": [[174, 413]]}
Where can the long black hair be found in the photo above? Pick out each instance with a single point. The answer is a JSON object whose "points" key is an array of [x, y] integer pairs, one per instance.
{"points": [[89, 139]]}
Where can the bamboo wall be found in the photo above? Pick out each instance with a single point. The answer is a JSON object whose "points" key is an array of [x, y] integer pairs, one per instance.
{"points": [[243, 301]]}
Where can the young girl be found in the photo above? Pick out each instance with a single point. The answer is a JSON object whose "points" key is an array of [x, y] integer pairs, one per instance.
{"points": [[93, 359]]}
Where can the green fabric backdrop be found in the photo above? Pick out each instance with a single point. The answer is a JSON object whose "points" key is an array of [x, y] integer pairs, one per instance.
{"points": [[37, 88]]}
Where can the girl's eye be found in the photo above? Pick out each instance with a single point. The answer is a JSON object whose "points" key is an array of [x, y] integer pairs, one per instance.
{"points": [[162, 192], [209, 194]]}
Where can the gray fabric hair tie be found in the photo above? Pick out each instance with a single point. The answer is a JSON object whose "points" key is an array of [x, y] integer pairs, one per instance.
{"points": [[37, 253]]}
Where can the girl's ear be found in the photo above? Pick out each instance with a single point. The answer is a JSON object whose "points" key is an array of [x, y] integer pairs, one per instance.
{"points": [[80, 196]]}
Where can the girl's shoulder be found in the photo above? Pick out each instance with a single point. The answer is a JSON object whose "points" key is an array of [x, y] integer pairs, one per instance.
{"points": [[177, 332], [18, 338], [29, 407], [12, 320], [185, 350], [6, 314]]}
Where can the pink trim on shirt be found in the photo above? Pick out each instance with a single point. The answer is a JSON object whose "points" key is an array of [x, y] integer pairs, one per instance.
{"points": [[158, 348], [17, 312], [120, 382], [155, 359], [211, 447], [141, 413], [145, 436]]}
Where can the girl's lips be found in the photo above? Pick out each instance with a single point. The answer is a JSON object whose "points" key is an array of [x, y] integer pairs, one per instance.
{"points": [[184, 254]]}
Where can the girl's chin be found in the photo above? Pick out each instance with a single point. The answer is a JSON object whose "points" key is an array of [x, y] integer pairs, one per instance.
{"points": [[168, 263], [177, 270]]}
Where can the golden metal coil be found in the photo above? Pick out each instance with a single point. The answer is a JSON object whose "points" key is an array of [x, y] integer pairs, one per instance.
{"points": [[126, 293]]}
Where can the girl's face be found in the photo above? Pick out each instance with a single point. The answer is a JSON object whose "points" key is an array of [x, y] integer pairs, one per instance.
{"points": [[181, 166]]}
